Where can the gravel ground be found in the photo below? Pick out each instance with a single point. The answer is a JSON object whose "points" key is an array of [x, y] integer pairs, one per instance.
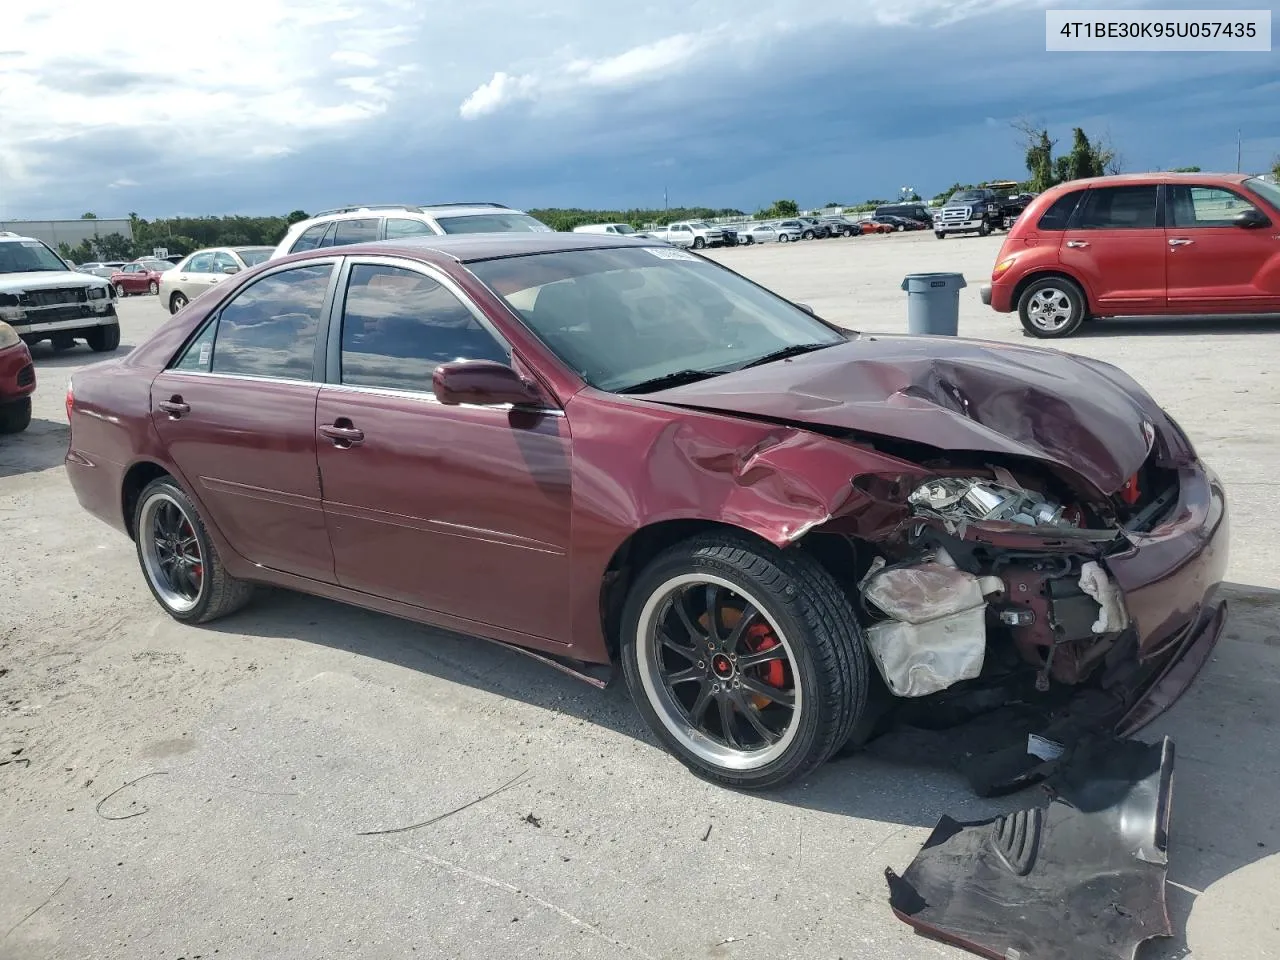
{"points": [[269, 742]]}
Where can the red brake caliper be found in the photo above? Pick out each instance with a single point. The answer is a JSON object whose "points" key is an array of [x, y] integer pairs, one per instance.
{"points": [[196, 568], [760, 638]]}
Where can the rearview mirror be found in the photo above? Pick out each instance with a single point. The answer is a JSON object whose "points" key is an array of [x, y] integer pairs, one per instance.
{"points": [[230, 270], [1253, 217], [483, 382]]}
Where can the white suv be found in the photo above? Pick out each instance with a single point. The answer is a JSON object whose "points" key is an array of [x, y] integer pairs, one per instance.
{"points": [[363, 224], [42, 298]]}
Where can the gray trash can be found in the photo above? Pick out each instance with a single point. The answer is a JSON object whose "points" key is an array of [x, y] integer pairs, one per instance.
{"points": [[933, 303]]}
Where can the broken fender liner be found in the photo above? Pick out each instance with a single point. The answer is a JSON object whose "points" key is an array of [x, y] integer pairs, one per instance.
{"points": [[1081, 877]]}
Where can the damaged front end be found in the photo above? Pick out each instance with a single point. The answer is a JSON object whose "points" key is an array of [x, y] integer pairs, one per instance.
{"points": [[1006, 585]]}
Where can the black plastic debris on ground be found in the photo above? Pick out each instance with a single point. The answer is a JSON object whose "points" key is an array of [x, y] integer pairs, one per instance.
{"points": [[1082, 876]]}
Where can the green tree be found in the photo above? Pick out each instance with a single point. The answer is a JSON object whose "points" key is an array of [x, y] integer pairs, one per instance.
{"points": [[1275, 167], [296, 217], [88, 216], [1185, 170], [114, 246], [915, 197], [1087, 158]]}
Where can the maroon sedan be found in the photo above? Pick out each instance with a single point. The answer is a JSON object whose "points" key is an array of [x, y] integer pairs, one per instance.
{"points": [[140, 276], [612, 453], [17, 381]]}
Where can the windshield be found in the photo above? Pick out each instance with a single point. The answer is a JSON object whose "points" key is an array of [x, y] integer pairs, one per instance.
{"points": [[1268, 191], [964, 196], [624, 228], [699, 225], [159, 266], [624, 316], [27, 256], [255, 256], [493, 223]]}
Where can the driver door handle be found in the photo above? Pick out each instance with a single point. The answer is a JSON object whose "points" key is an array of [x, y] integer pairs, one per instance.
{"points": [[1077, 243], [1180, 242], [174, 407]]}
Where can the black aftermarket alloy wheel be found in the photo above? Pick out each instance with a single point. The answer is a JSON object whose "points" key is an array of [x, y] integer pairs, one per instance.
{"points": [[745, 661]]}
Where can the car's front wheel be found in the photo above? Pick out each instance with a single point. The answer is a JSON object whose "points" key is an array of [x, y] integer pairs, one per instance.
{"points": [[103, 339], [1051, 308], [939, 234], [153, 288], [15, 417], [784, 238], [745, 661], [121, 292], [179, 561], [177, 302], [807, 235], [698, 243]]}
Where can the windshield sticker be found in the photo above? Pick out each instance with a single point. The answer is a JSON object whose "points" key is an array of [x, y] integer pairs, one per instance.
{"points": [[671, 253], [206, 351]]}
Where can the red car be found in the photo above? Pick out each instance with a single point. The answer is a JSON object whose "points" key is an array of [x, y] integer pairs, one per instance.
{"points": [[140, 276], [1147, 244], [17, 381], [611, 453]]}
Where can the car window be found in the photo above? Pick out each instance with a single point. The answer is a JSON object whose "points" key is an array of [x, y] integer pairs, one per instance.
{"points": [[493, 223], [1196, 206], [355, 231], [222, 259], [252, 258], [399, 325], [201, 263], [268, 329], [1059, 212], [403, 227], [1119, 208], [199, 352], [310, 238]]}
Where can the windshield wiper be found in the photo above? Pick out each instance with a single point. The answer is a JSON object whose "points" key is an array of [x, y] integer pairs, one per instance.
{"points": [[677, 379], [794, 350]]}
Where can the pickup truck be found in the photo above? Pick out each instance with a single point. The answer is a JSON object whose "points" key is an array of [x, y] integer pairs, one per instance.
{"points": [[688, 233], [969, 211]]}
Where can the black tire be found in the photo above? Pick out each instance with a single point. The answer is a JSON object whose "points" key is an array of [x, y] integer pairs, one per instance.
{"points": [[1052, 308], [985, 229], [103, 339], [121, 292], [177, 301], [807, 235], [153, 288], [784, 238], [63, 341], [698, 243], [808, 611], [15, 417], [899, 227], [848, 231], [219, 594]]}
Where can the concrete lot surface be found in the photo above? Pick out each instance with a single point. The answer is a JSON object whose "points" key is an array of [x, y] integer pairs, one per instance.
{"points": [[270, 741]]}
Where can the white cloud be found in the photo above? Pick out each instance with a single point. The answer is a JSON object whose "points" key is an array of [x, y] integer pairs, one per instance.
{"points": [[122, 182], [499, 91]]}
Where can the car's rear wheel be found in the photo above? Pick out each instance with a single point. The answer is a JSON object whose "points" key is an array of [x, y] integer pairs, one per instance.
{"points": [[179, 561], [783, 238], [103, 339], [1051, 308], [745, 661], [698, 243], [15, 417], [153, 288], [939, 234], [807, 235], [121, 292], [177, 301]]}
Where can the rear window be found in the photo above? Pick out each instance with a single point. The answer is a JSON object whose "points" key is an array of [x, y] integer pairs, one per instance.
{"points": [[493, 223], [355, 231], [252, 258], [1059, 212]]}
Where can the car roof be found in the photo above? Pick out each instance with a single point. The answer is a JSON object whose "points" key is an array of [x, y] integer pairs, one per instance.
{"points": [[473, 247], [407, 211], [1143, 179]]}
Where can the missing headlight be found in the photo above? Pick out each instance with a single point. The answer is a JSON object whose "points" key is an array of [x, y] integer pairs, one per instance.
{"points": [[972, 499]]}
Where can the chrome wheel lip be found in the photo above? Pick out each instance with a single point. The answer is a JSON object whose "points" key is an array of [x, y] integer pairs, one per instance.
{"points": [[150, 550], [672, 714], [1050, 309]]}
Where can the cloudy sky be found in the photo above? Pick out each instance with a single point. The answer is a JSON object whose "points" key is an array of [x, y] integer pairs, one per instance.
{"points": [[265, 106]]}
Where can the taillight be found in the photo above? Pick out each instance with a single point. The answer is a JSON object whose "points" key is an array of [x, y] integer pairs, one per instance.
{"points": [[71, 399]]}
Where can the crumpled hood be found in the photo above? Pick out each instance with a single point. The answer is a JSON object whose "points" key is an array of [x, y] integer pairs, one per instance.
{"points": [[47, 279], [953, 394]]}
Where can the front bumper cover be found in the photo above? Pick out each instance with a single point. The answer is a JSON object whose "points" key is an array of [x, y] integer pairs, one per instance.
{"points": [[1083, 876]]}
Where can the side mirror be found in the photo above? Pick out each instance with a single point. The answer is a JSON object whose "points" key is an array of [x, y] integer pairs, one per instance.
{"points": [[483, 382], [230, 270], [1253, 217]]}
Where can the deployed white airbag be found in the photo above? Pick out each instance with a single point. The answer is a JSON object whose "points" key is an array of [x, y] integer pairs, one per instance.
{"points": [[937, 634]]}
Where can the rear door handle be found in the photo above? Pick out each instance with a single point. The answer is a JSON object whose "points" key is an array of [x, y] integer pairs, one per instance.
{"points": [[174, 407], [1077, 243], [1180, 242], [342, 434]]}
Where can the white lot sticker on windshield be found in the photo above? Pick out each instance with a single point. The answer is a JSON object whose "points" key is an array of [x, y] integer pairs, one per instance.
{"points": [[671, 253], [206, 351]]}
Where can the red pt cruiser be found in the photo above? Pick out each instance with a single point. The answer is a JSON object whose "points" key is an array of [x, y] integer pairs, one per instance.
{"points": [[608, 452], [1141, 245], [17, 381]]}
